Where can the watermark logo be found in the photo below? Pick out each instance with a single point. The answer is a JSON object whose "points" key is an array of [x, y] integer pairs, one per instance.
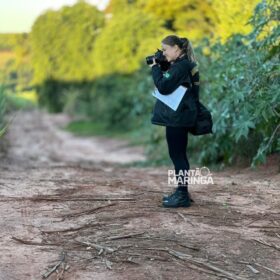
{"points": [[192, 176]]}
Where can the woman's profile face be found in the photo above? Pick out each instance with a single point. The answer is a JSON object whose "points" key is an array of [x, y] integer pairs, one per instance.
{"points": [[170, 52]]}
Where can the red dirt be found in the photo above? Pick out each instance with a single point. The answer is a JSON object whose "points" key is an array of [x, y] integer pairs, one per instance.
{"points": [[61, 194]]}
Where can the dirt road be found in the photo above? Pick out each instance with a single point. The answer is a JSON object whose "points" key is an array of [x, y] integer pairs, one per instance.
{"points": [[70, 211]]}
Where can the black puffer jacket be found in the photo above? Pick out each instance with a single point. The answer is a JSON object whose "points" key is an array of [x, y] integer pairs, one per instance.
{"points": [[179, 73]]}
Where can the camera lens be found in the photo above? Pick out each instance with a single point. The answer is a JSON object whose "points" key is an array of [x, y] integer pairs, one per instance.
{"points": [[149, 59]]}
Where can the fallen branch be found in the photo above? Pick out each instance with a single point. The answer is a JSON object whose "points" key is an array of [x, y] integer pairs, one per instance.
{"points": [[60, 274], [58, 198], [263, 227], [87, 212], [267, 268], [252, 269], [185, 219], [150, 257], [189, 258], [168, 239], [188, 246], [223, 272], [108, 264], [267, 244], [129, 260], [97, 246], [71, 229], [48, 273], [125, 236], [178, 254], [27, 242], [256, 219], [195, 267]]}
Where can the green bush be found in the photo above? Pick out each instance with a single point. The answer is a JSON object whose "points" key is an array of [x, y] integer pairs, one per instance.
{"points": [[2, 109], [50, 95], [240, 86], [120, 102]]}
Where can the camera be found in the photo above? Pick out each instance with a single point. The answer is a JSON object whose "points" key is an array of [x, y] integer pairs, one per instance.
{"points": [[160, 59]]}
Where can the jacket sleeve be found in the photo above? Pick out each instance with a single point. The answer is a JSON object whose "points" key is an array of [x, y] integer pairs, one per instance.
{"points": [[166, 83]]}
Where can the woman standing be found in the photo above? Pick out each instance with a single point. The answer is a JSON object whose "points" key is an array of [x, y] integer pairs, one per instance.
{"points": [[183, 70]]}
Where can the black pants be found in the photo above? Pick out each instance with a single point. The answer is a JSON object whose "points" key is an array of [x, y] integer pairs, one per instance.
{"points": [[177, 141]]}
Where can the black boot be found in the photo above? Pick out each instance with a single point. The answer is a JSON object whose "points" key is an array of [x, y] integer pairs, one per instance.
{"points": [[178, 199], [167, 197]]}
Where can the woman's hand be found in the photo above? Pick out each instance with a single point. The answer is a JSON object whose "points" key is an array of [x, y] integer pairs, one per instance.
{"points": [[154, 63]]}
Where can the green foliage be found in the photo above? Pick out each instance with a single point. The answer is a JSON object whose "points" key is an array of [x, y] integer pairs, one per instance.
{"points": [[125, 106], [191, 18], [240, 100], [22, 65], [62, 43], [118, 101], [10, 102], [50, 95], [2, 108], [85, 127], [15, 102], [118, 6], [88, 128], [241, 87], [15, 67], [125, 41], [231, 17]]}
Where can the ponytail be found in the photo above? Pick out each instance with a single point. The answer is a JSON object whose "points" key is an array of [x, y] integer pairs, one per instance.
{"points": [[186, 47]]}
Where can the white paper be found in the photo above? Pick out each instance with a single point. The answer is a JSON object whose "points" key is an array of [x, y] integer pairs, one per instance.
{"points": [[173, 99]]}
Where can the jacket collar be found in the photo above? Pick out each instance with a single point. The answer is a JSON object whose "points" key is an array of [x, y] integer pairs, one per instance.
{"points": [[184, 56]]}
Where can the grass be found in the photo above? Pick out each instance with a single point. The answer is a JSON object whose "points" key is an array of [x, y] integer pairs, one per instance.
{"points": [[30, 95], [3, 130], [92, 128], [16, 102]]}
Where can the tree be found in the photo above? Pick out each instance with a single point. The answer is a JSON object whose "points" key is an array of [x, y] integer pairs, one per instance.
{"points": [[125, 41], [62, 42], [231, 17], [191, 18]]}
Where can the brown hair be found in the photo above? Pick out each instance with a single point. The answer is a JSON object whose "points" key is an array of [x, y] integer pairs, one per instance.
{"points": [[183, 43]]}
